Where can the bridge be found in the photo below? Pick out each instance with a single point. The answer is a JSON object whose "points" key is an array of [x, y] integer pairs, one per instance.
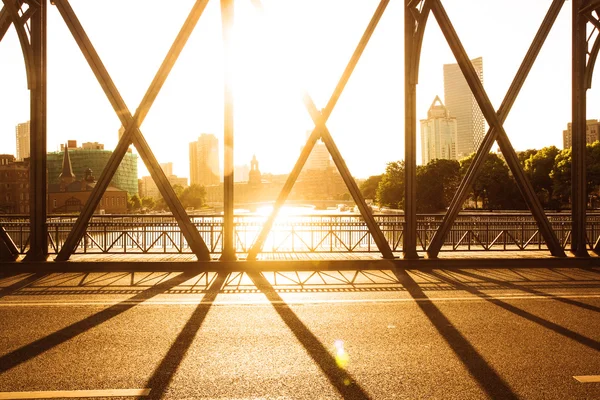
{"points": [[29, 19], [360, 305]]}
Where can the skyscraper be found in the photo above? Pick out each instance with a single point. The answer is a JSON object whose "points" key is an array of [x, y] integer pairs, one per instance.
{"points": [[319, 158], [204, 161], [438, 133], [22, 132], [470, 123]]}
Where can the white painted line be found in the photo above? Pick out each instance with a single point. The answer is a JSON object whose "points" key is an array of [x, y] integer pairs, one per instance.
{"points": [[588, 378], [264, 301], [75, 394]]}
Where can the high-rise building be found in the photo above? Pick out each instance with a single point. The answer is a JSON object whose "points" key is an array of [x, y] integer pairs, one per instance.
{"points": [[93, 156], [592, 133], [438, 133], [204, 161], [22, 133], [319, 158], [167, 168], [470, 123]]}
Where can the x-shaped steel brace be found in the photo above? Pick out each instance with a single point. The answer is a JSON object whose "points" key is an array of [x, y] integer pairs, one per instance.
{"points": [[496, 131], [132, 132], [320, 131]]}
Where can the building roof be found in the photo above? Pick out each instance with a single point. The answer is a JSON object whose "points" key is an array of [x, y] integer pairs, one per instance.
{"points": [[75, 186], [67, 169]]}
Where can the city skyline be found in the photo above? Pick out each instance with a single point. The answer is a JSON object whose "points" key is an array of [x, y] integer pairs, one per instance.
{"points": [[268, 103]]}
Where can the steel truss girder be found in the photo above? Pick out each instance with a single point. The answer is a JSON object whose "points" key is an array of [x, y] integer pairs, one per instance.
{"points": [[310, 143], [132, 132], [492, 134], [495, 122]]}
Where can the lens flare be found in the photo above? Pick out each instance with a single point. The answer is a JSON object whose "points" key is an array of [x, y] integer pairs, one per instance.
{"points": [[341, 357]]}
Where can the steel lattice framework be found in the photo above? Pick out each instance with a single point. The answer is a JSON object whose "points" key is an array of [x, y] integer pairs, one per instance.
{"points": [[29, 20]]}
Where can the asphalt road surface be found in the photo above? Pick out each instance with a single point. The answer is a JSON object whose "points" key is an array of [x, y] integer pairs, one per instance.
{"points": [[463, 334]]}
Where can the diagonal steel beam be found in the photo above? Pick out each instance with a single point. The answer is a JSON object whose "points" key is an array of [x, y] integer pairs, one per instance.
{"points": [[589, 7], [6, 240], [493, 119], [492, 134], [316, 133], [382, 244], [5, 22], [132, 132]]}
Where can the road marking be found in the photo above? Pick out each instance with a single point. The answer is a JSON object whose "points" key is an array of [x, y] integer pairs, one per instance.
{"points": [[55, 394], [290, 301], [588, 378]]}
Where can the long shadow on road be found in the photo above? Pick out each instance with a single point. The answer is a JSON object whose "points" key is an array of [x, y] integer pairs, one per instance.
{"points": [[164, 373], [584, 340], [7, 291], [34, 349], [487, 377], [509, 285], [339, 378]]}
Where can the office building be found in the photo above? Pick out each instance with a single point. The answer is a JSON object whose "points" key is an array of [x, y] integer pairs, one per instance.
{"points": [[592, 133], [93, 156], [14, 189], [204, 161], [22, 134], [438, 133], [167, 168], [470, 123]]}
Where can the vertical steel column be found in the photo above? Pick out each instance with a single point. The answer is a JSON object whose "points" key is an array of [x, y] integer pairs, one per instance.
{"points": [[578, 151], [409, 245], [228, 228], [38, 237]]}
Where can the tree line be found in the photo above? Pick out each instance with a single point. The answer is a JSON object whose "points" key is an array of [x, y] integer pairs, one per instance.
{"points": [[548, 169], [193, 196]]}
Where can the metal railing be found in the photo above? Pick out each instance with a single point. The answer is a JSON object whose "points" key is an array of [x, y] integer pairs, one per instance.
{"points": [[322, 233]]}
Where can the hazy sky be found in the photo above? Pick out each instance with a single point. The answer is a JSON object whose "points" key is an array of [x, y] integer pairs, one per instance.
{"points": [[295, 44]]}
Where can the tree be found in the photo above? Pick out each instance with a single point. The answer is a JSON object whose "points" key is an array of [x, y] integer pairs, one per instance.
{"points": [[561, 176], [133, 203], [436, 184], [561, 173], [148, 202], [369, 187], [390, 191], [193, 196], [523, 156], [538, 169], [493, 186]]}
